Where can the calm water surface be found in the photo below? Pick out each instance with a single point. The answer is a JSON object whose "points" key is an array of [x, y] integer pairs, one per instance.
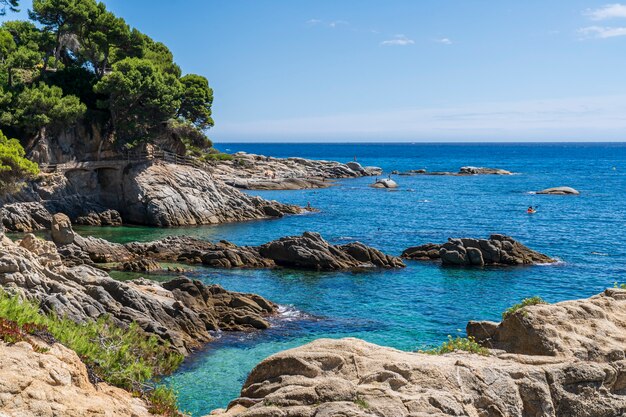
{"points": [[422, 304]]}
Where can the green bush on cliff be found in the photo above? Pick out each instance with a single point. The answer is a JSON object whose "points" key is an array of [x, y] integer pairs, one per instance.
{"points": [[531, 301], [617, 285], [14, 167], [124, 357]]}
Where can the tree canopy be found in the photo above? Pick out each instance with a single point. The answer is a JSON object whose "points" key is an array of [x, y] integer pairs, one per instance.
{"points": [[75, 59]]}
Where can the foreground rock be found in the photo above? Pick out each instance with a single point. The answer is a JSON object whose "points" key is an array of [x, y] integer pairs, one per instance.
{"points": [[150, 193], [309, 251], [353, 378], [181, 311], [592, 329], [55, 383], [258, 172], [559, 191], [497, 250]]}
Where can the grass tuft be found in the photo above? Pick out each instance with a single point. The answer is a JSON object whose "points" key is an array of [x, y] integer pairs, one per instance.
{"points": [[531, 301], [466, 344]]}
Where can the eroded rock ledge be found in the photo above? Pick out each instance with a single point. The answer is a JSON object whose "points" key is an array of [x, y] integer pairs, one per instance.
{"points": [[309, 251], [181, 311], [497, 250], [353, 378]]}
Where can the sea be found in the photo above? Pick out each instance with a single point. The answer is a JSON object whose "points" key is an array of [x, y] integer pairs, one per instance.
{"points": [[419, 306]]}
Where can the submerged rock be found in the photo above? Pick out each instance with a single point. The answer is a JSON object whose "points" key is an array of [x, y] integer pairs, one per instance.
{"points": [[353, 378], [559, 191], [497, 250]]}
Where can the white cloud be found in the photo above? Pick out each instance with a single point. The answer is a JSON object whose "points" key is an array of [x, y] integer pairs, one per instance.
{"points": [[445, 41], [336, 23], [583, 119], [608, 11], [602, 32], [314, 21], [398, 40]]}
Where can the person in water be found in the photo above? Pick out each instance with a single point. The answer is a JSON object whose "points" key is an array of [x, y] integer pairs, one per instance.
{"points": [[531, 209]]}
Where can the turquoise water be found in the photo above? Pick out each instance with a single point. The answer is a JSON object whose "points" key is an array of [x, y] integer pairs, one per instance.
{"points": [[422, 304]]}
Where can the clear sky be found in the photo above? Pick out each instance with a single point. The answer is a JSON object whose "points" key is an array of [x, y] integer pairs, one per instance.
{"points": [[401, 70]]}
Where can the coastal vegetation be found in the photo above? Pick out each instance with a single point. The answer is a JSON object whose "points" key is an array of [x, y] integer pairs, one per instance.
{"points": [[124, 357], [14, 167], [531, 301], [466, 344], [75, 61]]}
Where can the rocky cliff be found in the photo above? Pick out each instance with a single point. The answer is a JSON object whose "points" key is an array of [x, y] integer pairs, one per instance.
{"points": [[584, 374], [148, 193]]}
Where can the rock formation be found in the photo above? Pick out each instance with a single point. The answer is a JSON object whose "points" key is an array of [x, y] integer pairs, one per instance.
{"points": [[497, 250], [353, 378], [56, 383], [559, 191], [258, 172], [180, 311], [593, 329], [149, 193], [385, 183], [309, 251], [463, 171]]}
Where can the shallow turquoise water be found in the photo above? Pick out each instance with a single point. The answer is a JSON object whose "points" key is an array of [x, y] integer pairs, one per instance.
{"points": [[422, 304]]}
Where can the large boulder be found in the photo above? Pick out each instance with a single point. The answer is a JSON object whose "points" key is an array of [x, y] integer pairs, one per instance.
{"points": [[61, 230], [497, 250], [559, 191], [592, 329], [384, 183]]}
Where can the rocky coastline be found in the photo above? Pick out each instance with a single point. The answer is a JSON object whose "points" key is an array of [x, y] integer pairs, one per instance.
{"points": [[259, 172], [550, 360]]}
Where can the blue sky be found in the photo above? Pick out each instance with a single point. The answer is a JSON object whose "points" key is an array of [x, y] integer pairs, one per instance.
{"points": [[427, 70]]}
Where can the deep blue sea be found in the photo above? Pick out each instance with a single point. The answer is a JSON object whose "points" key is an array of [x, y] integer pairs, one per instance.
{"points": [[418, 306]]}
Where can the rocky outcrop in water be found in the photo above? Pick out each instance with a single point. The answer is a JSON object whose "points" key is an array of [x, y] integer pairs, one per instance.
{"points": [[55, 383], [384, 183], [559, 191], [309, 251], [353, 378], [258, 172], [497, 250], [149, 193], [463, 171], [181, 311]]}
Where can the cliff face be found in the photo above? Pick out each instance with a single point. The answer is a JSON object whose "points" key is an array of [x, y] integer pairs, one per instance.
{"points": [[149, 193], [584, 376]]}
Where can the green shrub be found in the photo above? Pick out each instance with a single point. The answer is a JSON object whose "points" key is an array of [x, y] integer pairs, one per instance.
{"points": [[124, 357], [617, 285], [467, 344], [531, 301], [163, 402], [217, 157]]}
